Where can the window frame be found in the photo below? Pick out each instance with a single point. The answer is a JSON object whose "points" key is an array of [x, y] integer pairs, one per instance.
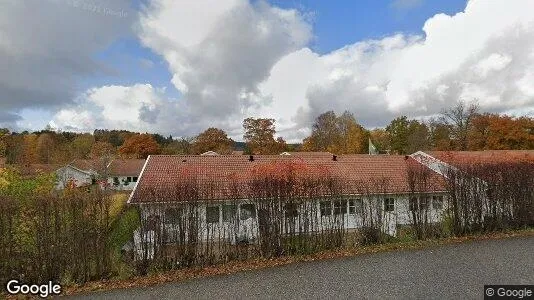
{"points": [[424, 202], [252, 211], [441, 200], [389, 204], [413, 204], [339, 210], [324, 206]]}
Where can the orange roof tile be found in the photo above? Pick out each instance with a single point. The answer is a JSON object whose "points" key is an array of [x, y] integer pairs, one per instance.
{"points": [[458, 158], [216, 176], [126, 167]]}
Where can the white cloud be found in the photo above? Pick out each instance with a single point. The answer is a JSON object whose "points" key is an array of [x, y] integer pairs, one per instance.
{"points": [[46, 46], [484, 52], [235, 59], [219, 51], [113, 107]]}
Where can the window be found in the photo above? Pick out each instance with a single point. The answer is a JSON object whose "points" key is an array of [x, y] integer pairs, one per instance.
{"points": [[128, 179], [291, 210], [152, 222], [326, 208], [135, 179], [212, 214], [389, 204], [413, 204], [352, 207], [248, 211], [173, 215], [340, 207], [437, 202], [358, 206], [424, 202], [229, 212]]}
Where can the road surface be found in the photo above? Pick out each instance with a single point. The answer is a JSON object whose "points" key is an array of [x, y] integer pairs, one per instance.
{"points": [[446, 272]]}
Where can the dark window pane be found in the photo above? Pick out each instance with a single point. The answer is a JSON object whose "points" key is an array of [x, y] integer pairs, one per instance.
{"points": [[248, 211], [212, 214], [173, 215], [389, 204], [291, 210], [229, 212], [340, 207], [413, 204], [326, 208], [352, 207], [423, 202]]}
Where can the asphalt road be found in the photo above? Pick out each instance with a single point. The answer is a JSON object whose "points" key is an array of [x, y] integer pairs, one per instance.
{"points": [[445, 272]]}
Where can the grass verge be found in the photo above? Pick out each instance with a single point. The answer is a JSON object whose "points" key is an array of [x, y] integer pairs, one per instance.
{"points": [[239, 266]]}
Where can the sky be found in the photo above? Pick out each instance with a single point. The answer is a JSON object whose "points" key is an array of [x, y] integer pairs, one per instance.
{"points": [[177, 67]]}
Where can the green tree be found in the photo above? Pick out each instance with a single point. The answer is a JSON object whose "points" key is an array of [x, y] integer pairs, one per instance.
{"points": [[398, 131]]}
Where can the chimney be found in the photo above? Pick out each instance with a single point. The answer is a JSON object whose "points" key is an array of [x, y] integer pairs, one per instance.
{"points": [[251, 158], [334, 157]]}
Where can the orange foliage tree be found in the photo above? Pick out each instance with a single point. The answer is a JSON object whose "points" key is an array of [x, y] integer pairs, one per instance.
{"points": [[139, 146]]}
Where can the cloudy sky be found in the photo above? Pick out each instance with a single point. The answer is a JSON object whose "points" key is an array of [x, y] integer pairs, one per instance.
{"points": [[179, 66]]}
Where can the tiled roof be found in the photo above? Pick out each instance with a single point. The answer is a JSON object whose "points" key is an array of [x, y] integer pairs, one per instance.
{"points": [[126, 167], [458, 158], [216, 176], [87, 165], [307, 154]]}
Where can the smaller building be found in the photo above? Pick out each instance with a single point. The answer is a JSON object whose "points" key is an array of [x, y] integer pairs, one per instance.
{"points": [[79, 172], [124, 173]]}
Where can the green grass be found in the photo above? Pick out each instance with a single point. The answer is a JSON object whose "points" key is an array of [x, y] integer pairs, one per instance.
{"points": [[118, 203], [123, 227]]}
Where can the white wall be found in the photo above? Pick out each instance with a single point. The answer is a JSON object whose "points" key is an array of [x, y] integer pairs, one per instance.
{"points": [[121, 187], [248, 228], [68, 173]]}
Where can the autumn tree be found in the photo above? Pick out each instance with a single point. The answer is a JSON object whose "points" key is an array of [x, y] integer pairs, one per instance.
{"points": [[102, 149], [45, 148], [325, 132], [177, 147], [4, 135], [259, 136], [30, 149], [337, 134], [459, 120], [492, 131], [213, 139], [139, 146], [381, 139], [82, 144], [408, 136], [418, 137]]}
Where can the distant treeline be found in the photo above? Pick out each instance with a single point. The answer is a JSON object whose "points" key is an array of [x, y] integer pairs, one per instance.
{"points": [[462, 127]]}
